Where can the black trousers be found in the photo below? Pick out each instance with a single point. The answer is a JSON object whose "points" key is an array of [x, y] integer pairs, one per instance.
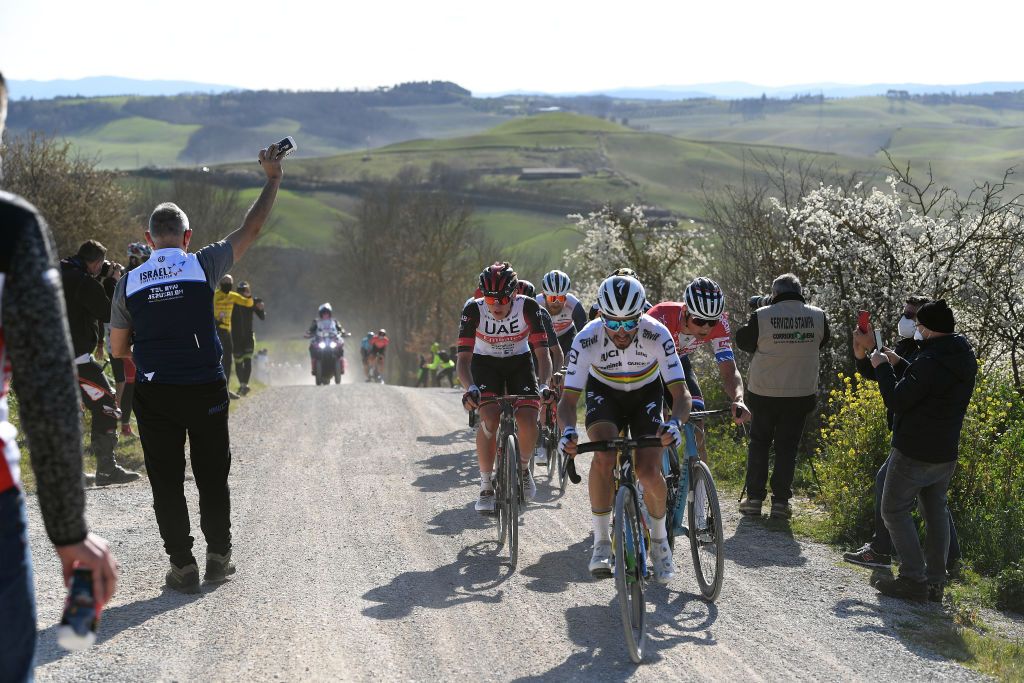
{"points": [[166, 414], [98, 397], [227, 349], [778, 421]]}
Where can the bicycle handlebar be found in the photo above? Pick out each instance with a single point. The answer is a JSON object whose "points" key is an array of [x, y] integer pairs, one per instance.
{"points": [[615, 444], [701, 414]]}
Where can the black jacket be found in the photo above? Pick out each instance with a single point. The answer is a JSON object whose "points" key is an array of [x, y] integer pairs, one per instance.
{"points": [[907, 350], [87, 305], [930, 401], [241, 325]]}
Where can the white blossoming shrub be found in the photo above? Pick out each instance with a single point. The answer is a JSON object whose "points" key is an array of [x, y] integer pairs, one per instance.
{"points": [[666, 257]]}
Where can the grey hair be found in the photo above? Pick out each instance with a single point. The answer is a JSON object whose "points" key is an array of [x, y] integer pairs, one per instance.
{"points": [[788, 283], [167, 220]]}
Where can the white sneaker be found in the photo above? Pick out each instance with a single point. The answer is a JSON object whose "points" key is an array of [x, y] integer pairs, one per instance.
{"points": [[541, 456], [529, 485], [661, 558], [601, 560], [485, 503]]}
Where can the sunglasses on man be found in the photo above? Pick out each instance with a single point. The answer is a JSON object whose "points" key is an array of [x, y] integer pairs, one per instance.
{"points": [[555, 297], [497, 300], [625, 325], [701, 322]]}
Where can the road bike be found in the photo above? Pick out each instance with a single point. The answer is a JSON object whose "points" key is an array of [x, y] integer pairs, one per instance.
{"points": [[508, 481], [693, 486], [548, 438], [630, 537]]}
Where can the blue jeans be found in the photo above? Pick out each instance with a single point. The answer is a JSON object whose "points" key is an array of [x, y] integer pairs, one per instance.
{"points": [[881, 542], [17, 592], [908, 480]]}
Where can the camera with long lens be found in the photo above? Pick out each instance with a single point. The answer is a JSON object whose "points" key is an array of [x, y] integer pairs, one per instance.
{"points": [[759, 301]]}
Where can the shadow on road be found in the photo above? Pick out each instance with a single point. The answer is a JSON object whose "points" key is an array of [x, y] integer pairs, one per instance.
{"points": [[458, 520], [921, 628], [458, 436], [448, 471], [759, 542], [597, 629], [117, 619], [472, 577], [554, 572]]}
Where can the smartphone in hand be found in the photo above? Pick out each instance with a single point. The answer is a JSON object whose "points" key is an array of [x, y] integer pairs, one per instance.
{"points": [[862, 320], [285, 146]]}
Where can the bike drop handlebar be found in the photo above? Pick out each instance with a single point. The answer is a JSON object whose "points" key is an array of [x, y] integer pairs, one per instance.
{"points": [[607, 445]]}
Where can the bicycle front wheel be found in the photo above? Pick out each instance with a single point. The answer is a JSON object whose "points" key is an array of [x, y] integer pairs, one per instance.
{"points": [[707, 544], [630, 570], [512, 494], [500, 494]]}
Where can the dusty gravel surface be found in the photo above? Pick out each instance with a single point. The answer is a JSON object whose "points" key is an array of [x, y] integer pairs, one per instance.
{"points": [[360, 558]]}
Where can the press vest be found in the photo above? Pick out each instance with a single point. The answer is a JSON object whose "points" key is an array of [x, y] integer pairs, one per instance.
{"points": [[788, 347], [171, 307]]}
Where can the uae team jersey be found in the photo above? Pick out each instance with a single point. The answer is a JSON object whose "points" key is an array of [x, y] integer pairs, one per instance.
{"points": [[670, 314], [515, 334], [570, 319], [652, 354]]}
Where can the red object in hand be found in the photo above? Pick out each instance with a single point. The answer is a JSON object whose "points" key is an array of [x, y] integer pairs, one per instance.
{"points": [[862, 321]]}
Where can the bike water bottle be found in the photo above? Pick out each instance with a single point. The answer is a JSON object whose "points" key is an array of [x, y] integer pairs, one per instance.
{"points": [[77, 630]]}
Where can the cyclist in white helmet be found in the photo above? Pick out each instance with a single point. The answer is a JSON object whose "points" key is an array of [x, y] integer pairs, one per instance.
{"points": [[619, 359]]}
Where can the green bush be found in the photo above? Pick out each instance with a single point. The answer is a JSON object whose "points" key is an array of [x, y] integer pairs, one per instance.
{"points": [[987, 490], [1010, 588]]}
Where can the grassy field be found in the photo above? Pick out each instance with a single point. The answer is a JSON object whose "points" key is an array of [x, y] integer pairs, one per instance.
{"points": [[135, 142]]}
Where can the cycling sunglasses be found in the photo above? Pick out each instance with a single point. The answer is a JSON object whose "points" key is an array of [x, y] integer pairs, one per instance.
{"points": [[497, 300], [626, 325], [702, 322], [555, 297]]}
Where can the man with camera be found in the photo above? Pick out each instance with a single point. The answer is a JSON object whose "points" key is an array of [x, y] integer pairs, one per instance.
{"points": [[88, 308], [165, 308], [786, 336]]}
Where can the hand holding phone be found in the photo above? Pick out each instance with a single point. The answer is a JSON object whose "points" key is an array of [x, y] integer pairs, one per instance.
{"points": [[863, 320], [285, 147]]}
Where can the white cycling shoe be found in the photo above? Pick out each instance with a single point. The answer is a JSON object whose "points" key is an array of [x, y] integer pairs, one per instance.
{"points": [[601, 560], [661, 558], [485, 503], [529, 485]]}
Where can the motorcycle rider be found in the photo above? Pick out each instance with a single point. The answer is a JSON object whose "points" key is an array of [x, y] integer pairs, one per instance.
{"points": [[325, 323]]}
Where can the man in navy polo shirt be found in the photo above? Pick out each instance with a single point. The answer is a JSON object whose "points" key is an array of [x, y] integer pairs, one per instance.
{"points": [[162, 315]]}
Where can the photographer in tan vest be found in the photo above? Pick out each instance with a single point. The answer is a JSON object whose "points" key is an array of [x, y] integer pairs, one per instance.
{"points": [[786, 336]]}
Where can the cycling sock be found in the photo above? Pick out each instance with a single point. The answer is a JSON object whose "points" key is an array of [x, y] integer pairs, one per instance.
{"points": [[602, 526], [485, 481], [658, 531]]}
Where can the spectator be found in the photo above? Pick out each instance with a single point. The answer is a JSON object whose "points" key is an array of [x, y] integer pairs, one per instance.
{"points": [[243, 339], [877, 553], [123, 369], [34, 339], [88, 307], [929, 402], [786, 337], [224, 302], [165, 306]]}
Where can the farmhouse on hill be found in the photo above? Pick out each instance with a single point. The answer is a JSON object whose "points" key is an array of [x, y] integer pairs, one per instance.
{"points": [[550, 173]]}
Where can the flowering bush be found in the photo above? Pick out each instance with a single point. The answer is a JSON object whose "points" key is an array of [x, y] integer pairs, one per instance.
{"points": [[666, 257]]}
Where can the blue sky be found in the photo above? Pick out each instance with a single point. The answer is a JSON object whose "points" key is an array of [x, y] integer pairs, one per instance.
{"points": [[487, 46]]}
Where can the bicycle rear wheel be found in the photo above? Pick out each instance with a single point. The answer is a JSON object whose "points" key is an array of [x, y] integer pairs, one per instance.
{"points": [[670, 468], [630, 570], [512, 493], [707, 544]]}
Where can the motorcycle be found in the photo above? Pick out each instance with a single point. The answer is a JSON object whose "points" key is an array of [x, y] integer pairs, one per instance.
{"points": [[328, 351]]}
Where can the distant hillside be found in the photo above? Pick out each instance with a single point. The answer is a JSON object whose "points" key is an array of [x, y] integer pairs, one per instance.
{"points": [[100, 86]]}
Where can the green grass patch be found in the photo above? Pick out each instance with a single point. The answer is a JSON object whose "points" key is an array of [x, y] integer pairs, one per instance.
{"points": [[134, 142]]}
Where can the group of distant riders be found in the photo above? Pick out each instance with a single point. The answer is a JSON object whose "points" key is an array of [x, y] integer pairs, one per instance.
{"points": [[629, 357]]}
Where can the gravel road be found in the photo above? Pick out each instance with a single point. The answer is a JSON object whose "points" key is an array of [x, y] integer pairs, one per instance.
{"points": [[360, 558]]}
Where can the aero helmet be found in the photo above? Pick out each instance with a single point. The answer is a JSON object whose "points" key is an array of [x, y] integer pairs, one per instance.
{"points": [[704, 299], [621, 297], [498, 280], [555, 283]]}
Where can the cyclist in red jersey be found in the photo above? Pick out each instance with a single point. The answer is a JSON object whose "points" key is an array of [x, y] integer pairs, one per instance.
{"points": [[378, 349], [497, 334], [698, 320]]}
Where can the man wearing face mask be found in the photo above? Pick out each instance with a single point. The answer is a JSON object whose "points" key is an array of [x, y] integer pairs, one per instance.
{"points": [[224, 302], [929, 402], [877, 553]]}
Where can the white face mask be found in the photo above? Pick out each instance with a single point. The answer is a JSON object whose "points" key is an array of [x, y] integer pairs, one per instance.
{"points": [[906, 327]]}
